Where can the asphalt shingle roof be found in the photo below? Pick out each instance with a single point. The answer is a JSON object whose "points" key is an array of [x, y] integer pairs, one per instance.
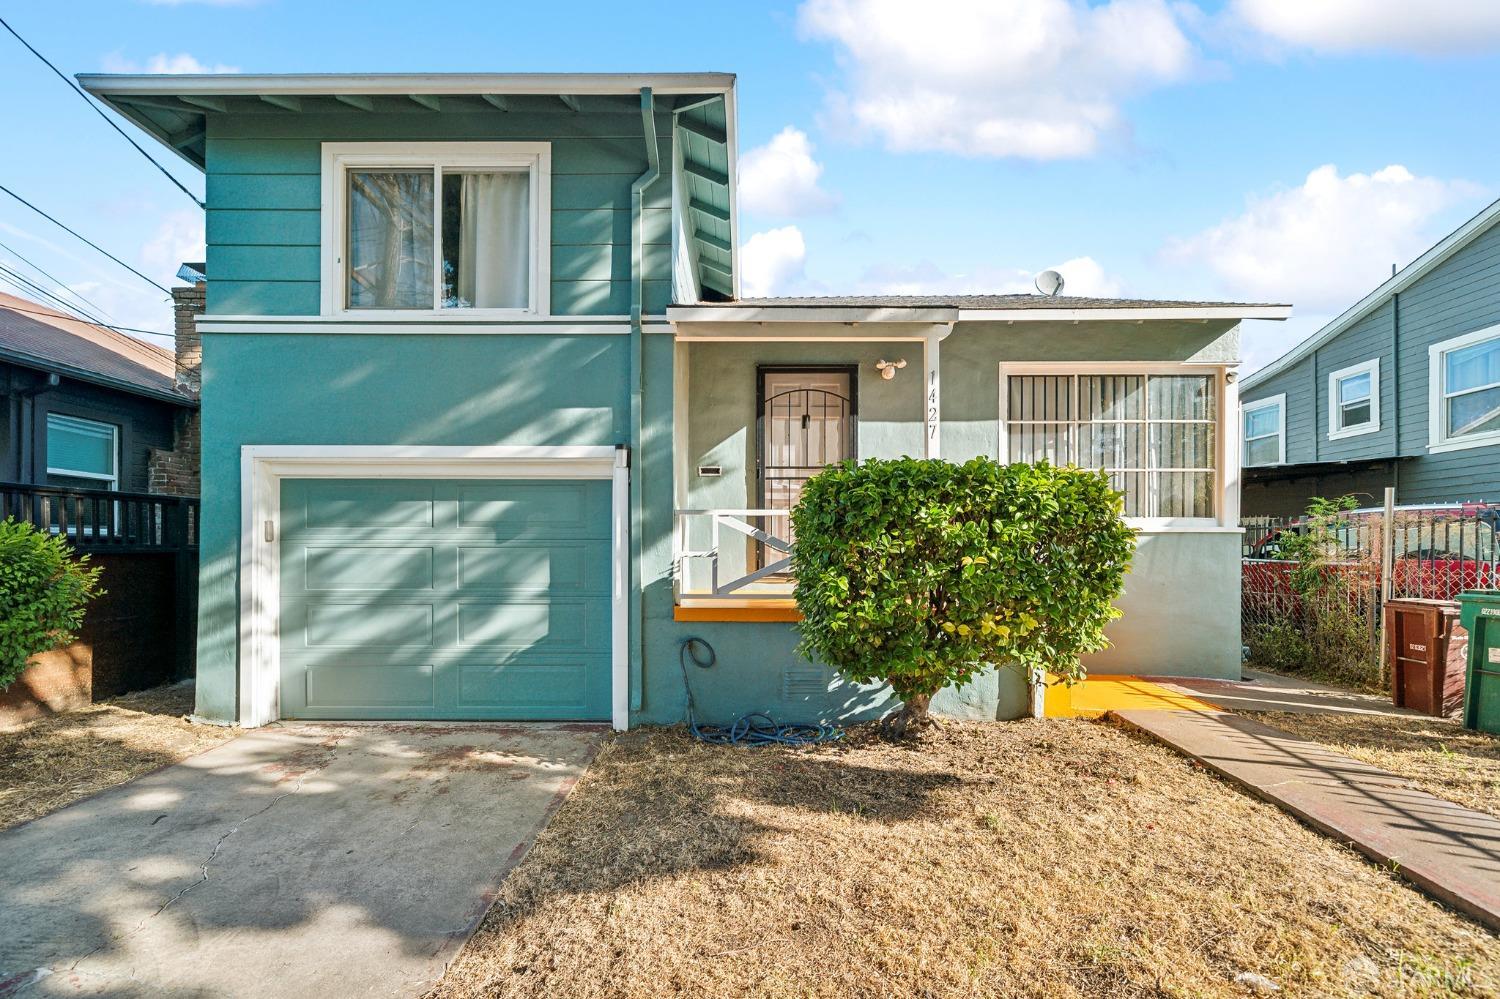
{"points": [[36, 336]]}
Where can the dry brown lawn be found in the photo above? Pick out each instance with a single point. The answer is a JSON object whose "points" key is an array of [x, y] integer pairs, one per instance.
{"points": [[51, 762], [1041, 858], [1436, 755]]}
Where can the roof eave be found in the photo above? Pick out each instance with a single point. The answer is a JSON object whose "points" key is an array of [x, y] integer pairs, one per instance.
{"points": [[77, 374], [1394, 285], [330, 84]]}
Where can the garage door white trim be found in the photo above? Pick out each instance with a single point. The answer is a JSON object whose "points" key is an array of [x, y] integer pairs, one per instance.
{"points": [[263, 466]]}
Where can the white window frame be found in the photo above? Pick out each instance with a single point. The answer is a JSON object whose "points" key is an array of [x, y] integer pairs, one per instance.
{"points": [[113, 479], [264, 466], [1279, 403], [1226, 451], [1437, 416], [340, 157], [1336, 431]]}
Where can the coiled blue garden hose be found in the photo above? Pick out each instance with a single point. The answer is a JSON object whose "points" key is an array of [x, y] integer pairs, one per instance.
{"points": [[754, 729]]}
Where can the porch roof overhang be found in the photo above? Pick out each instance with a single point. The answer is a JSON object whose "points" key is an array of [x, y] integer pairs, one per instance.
{"points": [[914, 317]]}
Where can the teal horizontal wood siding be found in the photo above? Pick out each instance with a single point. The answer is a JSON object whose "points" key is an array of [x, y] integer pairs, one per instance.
{"points": [[264, 190], [1459, 296]]}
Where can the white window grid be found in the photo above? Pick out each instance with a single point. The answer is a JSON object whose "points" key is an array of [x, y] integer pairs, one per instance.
{"points": [[1072, 430], [1337, 408], [1277, 403]]}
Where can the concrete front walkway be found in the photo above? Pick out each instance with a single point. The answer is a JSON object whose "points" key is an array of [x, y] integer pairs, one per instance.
{"points": [[308, 860]]}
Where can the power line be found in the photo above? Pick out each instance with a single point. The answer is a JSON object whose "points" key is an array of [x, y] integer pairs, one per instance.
{"points": [[100, 112], [25, 285], [108, 326], [61, 284], [90, 242]]}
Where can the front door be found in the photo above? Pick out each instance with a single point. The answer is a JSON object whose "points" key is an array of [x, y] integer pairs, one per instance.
{"points": [[806, 423]]}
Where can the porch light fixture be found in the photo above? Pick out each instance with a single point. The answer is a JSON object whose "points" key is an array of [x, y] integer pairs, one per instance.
{"points": [[887, 369]]}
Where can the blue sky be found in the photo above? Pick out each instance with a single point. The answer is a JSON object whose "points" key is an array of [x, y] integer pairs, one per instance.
{"points": [[1283, 150]]}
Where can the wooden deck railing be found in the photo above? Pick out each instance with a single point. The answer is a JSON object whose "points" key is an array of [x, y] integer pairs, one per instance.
{"points": [[104, 520]]}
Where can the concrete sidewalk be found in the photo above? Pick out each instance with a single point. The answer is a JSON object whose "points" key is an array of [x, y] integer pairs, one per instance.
{"points": [[1261, 691], [307, 860], [1449, 851]]}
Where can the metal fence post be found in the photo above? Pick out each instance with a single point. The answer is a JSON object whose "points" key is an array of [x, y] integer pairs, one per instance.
{"points": [[1387, 567]]}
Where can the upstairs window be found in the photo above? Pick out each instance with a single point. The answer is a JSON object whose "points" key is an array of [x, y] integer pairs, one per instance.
{"points": [[1153, 433], [1354, 400], [1464, 391], [453, 229], [84, 450], [1265, 431]]}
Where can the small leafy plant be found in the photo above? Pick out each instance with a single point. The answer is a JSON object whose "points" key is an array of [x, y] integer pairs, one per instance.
{"points": [[44, 589], [922, 573]]}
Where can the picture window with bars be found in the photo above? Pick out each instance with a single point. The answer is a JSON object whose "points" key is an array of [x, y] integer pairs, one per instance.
{"points": [[1153, 434]]}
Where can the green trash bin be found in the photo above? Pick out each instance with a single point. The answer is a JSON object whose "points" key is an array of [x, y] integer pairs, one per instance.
{"points": [[1480, 615]]}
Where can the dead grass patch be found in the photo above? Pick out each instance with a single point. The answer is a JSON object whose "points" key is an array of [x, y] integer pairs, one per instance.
{"points": [[1436, 755], [52, 761], [1051, 858]]}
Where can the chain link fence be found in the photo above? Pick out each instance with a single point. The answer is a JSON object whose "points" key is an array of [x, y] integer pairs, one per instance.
{"points": [[1327, 620]]}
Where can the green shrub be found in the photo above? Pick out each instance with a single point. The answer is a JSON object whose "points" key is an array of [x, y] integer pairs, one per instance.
{"points": [[44, 589], [921, 573]]}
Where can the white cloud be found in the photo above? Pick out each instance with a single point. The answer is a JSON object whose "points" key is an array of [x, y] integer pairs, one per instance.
{"points": [[1432, 27], [1326, 243], [781, 178], [178, 238], [162, 62], [1040, 79], [770, 261], [1082, 276]]}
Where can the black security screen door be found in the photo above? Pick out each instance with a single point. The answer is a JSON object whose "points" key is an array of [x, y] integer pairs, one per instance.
{"points": [[806, 422]]}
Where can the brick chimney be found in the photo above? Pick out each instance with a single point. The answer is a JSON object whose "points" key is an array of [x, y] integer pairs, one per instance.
{"points": [[175, 471], [187, 303]]}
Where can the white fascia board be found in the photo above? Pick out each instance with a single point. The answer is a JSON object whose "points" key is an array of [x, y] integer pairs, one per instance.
{"points": [[324, 325], [729, 315], [330, 84], [1394, 285], [1188, 314], [807, 332]]}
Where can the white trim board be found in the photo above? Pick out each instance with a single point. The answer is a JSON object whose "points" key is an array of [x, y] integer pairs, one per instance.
{"points": [[333, 84], [1438, 441], [1370, 367], [1279, 402], [262, 468]]}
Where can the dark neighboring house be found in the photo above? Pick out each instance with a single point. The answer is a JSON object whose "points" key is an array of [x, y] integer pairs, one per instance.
{"points": [[85, 407], [1401, 390]]}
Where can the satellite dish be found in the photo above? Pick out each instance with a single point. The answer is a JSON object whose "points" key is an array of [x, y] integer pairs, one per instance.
{"points": [[1049, 283]]}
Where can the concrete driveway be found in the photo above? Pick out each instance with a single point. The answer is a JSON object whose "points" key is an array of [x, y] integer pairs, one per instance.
{"points": [[320, 860]]}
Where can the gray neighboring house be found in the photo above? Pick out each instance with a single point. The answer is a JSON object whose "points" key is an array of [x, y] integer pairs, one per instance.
{"points": [[1401, 390]]}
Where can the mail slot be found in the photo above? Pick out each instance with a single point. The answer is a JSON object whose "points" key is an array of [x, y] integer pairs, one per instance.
{"points": [[1428, 652]]}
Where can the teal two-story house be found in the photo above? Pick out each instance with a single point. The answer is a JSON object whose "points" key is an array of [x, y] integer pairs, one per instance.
{"points": [[488, 430]]}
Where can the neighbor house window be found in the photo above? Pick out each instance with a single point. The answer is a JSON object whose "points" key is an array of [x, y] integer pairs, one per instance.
{"points": [[450, 228], [1264, 431], [1354, 400], [1464, 391], [1153, 433], [83, 449]]}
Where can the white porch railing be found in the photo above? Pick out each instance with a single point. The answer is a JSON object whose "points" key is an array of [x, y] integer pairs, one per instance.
{"points": [[698, 543]]}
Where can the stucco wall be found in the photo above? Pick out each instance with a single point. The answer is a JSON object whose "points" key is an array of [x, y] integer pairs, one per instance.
{"points": [[1182, 610]]}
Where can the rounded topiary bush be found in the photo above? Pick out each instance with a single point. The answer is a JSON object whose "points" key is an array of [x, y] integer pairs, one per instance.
{"points": [[44, 589], [922, 573]]}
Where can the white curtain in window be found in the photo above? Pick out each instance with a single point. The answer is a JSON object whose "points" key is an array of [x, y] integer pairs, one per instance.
{"points": [[494, 259]]}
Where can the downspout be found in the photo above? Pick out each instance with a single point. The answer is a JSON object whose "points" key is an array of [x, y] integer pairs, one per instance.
{"points": [[637, 384]]}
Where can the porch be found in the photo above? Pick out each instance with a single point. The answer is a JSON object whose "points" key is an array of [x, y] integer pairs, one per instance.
{"points": [[754, 421]]}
